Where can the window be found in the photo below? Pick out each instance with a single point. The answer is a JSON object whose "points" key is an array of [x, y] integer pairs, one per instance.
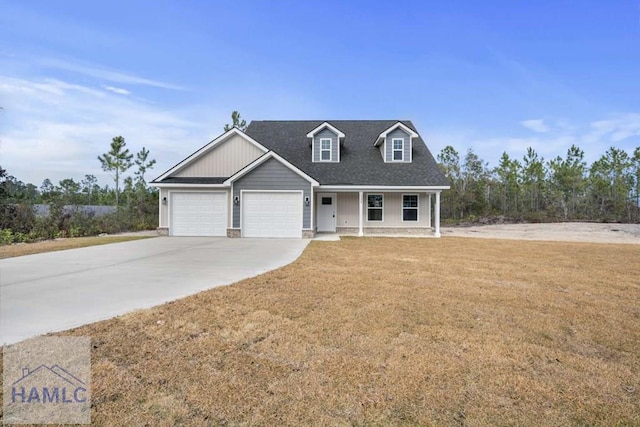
{"points": [[327, 200], [374, 207], [410, 207], [398, 149], [325, 149]]}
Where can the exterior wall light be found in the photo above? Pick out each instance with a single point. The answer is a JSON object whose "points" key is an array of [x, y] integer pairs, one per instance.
{"points": [[164, 200], [307, 201], [236, 200]]}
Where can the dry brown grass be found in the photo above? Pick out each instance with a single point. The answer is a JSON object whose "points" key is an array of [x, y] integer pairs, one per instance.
{"points": [[388, 332], [10, 251]]}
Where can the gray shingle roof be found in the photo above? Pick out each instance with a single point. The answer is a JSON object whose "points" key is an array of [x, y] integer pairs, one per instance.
{"points": [[198, 180], [360, 162]]}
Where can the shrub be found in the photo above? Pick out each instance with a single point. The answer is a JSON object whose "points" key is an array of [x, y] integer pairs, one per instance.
{"points": [[6, 236]]}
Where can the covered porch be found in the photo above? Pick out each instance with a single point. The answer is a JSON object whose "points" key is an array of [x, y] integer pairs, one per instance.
{"points": [[389, 212]]}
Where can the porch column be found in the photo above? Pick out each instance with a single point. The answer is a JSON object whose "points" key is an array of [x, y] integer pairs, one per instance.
{"points": [[436, 214], [429, 210], [360, 219]]}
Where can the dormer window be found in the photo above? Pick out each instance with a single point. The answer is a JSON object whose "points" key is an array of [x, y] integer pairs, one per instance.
{"points": [[325, 143], [398, 149], [325, 149], [396, 143]]}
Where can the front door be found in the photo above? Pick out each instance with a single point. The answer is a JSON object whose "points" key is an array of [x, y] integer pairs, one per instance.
{"points": [[327, 212]]}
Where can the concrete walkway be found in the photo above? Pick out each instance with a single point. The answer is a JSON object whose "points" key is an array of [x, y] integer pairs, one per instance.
{"points": [[60, 290]]}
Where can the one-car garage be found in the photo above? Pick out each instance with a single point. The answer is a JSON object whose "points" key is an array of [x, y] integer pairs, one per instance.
{"points": [[195, 213], [272, 214]]}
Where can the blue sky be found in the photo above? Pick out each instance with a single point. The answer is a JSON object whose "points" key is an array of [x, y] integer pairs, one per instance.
{"points": [[491, 75]]}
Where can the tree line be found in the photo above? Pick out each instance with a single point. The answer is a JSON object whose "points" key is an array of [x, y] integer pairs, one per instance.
{"points": [[534, 189], [136, 204]]}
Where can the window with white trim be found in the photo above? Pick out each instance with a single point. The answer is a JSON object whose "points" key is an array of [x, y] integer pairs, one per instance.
{"points": [[375, 204], [325, 149], [398, 149], [409, 207]]}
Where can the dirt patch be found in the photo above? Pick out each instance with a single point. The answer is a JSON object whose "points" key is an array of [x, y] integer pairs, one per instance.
{"points": [[566, 232], [388, 332]]}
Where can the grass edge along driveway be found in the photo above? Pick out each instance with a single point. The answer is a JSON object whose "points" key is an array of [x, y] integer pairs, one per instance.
{"points": [[20, 249]]}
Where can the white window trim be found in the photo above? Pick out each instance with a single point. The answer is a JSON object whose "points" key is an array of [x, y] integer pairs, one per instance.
{"points": [[417, 208], [393, 149], [321, 149], [381, 208]]}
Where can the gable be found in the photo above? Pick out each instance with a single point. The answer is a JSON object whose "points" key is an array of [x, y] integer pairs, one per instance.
{"points": [[225, 159], [272, 175]]}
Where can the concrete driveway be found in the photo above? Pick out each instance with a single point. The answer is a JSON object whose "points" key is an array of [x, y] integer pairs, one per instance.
{"points": [[60, 290]]}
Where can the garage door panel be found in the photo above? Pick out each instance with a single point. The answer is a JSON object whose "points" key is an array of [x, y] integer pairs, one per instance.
{"points": [[198, 214], [272, 214]]}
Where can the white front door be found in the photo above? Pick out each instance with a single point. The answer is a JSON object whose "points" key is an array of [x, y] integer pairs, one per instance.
{"points": [[327, 212]]}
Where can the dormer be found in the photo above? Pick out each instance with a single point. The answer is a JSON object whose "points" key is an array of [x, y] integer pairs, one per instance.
{"points": [[396, 143], [325, 143]]}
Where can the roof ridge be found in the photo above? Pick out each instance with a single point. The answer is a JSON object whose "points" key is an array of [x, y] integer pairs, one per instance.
{"points": [[335, 120]]}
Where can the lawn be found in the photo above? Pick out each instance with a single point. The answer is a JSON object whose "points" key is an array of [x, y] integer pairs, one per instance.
{"points": [[368, 331], [10, 251]]}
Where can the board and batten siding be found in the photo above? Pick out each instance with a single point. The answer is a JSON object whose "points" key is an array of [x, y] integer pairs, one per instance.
{"points": [[348, 204], [225, 159], [164, 209], [335, 145], [347, 212], [397, 134], [273, 176]]}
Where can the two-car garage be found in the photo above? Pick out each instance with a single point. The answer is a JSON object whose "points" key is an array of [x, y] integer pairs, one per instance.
{"points": [[276, 214]]}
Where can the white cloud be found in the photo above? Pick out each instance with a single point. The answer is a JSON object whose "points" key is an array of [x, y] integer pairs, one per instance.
{"points": [[55, 129], [536, 125], [593, 137], [616, 128], [106, 74], [117, 90]]}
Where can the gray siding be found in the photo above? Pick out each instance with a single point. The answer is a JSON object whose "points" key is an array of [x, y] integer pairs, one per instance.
{"points": [[273, 175], [335, 145], [398, 133]]}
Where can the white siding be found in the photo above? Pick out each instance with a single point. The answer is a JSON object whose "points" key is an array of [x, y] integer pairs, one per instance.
{"points": [[347, 215], [225, 159], [392, 206], [164, 209]]}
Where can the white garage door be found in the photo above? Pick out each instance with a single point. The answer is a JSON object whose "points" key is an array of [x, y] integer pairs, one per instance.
{"points": [[271, 214], [198, 214]]}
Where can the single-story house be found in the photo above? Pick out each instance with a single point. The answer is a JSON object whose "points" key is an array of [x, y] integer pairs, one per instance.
{"points": [[298, 178]]}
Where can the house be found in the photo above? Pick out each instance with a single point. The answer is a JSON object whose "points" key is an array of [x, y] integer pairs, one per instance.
{"points": [[298, 178]]}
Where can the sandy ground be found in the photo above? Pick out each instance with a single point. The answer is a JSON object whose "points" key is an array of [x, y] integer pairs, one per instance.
{"points": [[566, 231]]}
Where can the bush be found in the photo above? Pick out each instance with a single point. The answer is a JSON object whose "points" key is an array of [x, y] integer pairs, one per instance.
{"points": [[18, 222], [6, 236], [18, 217]]}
